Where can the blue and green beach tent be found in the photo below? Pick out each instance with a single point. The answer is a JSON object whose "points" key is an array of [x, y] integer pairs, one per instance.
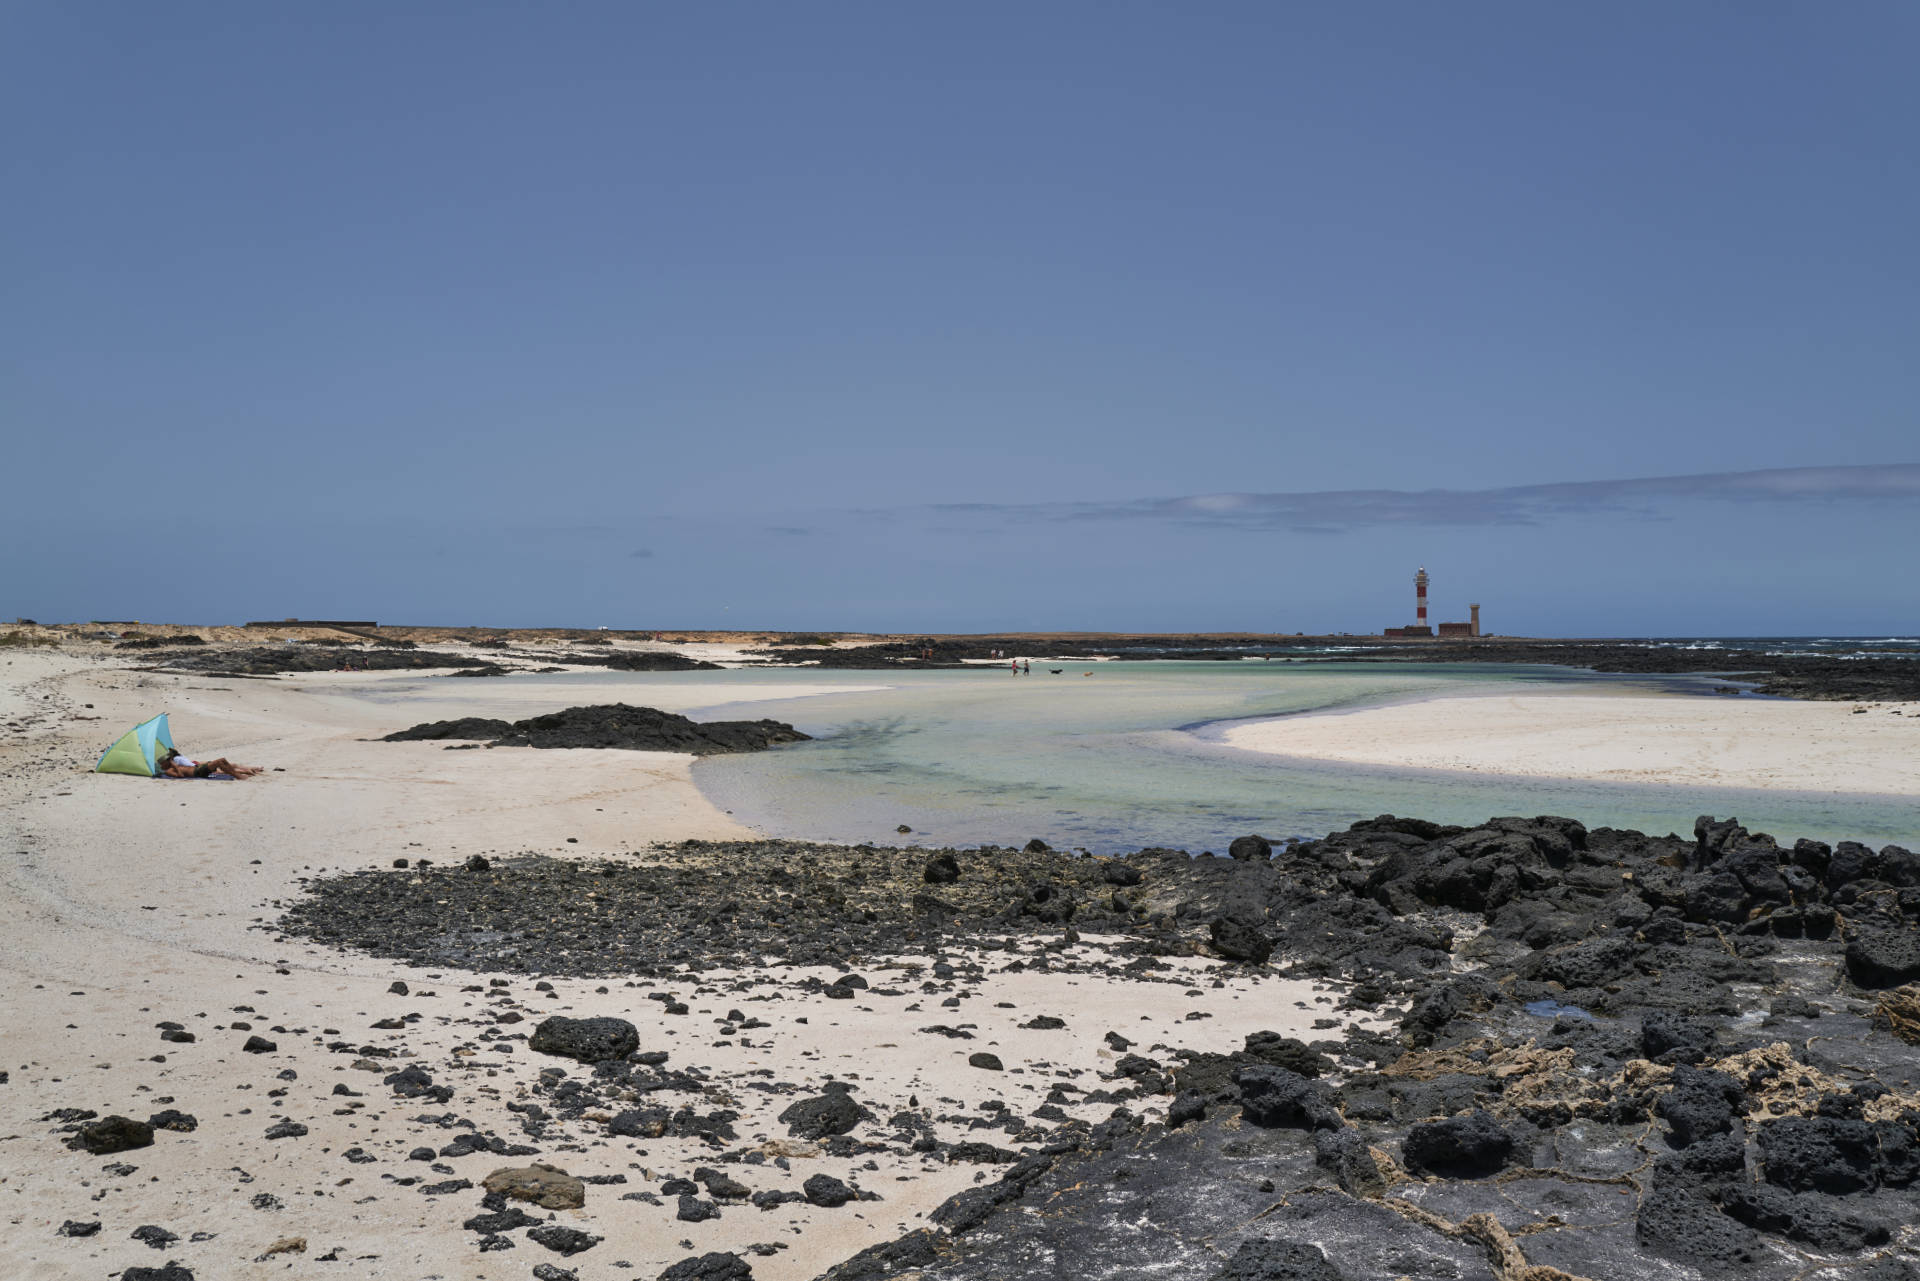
{"points": [[137, 748]]}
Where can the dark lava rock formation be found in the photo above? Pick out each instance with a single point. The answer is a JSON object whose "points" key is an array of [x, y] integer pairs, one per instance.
{"points": [[1605, 1054], [742, 902], [640, 660], [639, 729], [274, 660], [114, 1134], [1860, 676], [957, 651], [1618, 1074], [587, 1040]]}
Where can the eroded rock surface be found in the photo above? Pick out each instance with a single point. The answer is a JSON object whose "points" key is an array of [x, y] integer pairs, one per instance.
{"points": [[617, 725]]}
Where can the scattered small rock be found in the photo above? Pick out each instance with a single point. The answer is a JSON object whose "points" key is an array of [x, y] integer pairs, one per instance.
{"points": [[563, 1240]]}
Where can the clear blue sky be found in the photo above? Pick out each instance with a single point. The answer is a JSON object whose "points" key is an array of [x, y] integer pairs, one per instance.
{"points": [[908, 316]]}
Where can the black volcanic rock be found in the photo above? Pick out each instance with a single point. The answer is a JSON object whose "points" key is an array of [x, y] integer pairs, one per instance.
{"points": [[115, 1134], [1882, 956], [1815, 1220], [171, 1272], [1699, 1105], [1239, 941], [693, 1210], [507, 1220], [1272, 1096], [817, 1118], [1820, 1154], [563, 1240], [1665, 1032], [1188, 1106], [1460, 1147], [1246, 848], [1680, 1223], [587, 1040], [467, 727], [716, 1266], [636, 660], [616, 725], [1287, 1052], [826, 1191], [277, 659], [1264, 1259], [645, 729]]}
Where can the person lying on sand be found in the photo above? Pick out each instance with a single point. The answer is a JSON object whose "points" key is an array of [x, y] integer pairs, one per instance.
{"points": [[174, 765]]}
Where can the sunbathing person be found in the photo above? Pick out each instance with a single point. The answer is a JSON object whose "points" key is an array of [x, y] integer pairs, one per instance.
{"points": [[174, 765]]}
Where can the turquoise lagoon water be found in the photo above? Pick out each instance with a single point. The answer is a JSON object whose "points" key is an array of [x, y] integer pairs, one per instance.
{"points": [[1129, 757]]}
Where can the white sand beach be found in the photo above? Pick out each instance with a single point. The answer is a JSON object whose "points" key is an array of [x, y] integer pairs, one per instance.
{"points": [[126, 903], [1634, 738]]}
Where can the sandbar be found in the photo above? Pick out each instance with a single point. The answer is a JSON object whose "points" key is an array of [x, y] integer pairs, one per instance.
{"points": [[1716, 740]]}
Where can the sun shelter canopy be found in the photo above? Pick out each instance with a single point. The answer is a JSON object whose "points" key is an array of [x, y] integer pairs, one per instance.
{"points": [[138, 749]]}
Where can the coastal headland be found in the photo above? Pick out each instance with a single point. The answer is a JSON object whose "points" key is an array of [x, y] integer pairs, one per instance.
{"points": [[545, 1011]]}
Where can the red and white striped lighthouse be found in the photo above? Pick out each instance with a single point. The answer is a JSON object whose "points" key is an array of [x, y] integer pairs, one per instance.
{"points": [[1420, 597]]}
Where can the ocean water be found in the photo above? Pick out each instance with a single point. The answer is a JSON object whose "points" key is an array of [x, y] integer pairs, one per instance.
{"points": [[1832, 646], [1122, 758]]}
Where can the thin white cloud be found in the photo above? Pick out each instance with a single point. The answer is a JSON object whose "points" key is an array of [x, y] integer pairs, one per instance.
{"points": [[1329, 511]]}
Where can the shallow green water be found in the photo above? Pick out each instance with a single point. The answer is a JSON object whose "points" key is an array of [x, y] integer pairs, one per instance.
{"points": [[1123, 759]]}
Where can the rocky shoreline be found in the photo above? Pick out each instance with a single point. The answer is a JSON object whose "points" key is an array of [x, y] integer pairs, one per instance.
{"points": [[1610, 1054], [1669, 1059], [1861, 676]]}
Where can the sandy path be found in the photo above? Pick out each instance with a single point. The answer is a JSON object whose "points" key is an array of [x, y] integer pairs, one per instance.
{"points": [[127, 902], [1633, 738]]}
